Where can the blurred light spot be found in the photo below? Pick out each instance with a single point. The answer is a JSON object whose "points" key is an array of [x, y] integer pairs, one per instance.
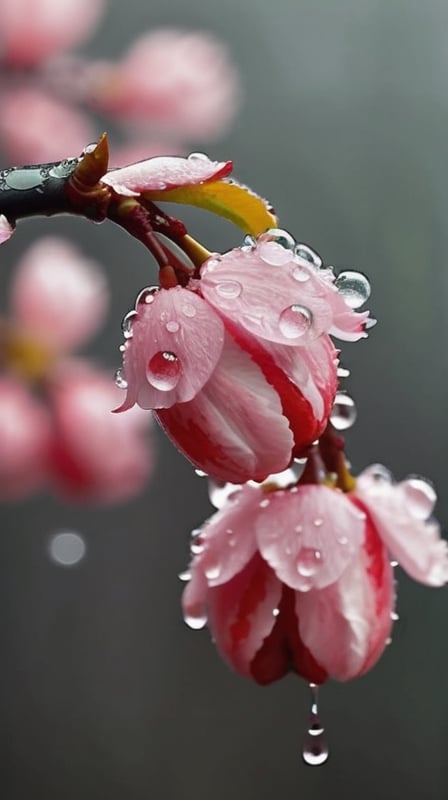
{"points": [[66, 548]]}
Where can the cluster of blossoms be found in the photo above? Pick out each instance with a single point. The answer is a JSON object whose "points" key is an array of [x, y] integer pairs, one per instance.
{"points": [[172, 85], [233, 353]]}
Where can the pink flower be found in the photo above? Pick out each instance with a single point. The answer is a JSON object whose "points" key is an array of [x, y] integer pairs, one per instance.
{"points": [[33, 30], [300, 579], [174, 81], [239, 365]]}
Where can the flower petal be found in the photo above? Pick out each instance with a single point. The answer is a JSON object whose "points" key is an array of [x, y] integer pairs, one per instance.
{"points": [[308, 535], [164, 173], [414, 542], [234, 429], [347, 624], [6, 229]]}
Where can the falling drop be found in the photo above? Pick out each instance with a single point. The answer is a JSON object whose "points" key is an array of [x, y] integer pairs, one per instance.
{"points": [[295, 321], [420, 496], [308, 561], [315, 748], [120, 380], [126, 325], [354, 288], [280, 236], [147, 295], [163, 371], [228, 290], [343, 414], [305, 252], [172, 326]]}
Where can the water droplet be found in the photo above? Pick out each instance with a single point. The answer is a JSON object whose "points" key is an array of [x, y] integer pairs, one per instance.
{"points": [[172, 326], [24, 179], [147, 295], [264, 503], [295, 321], [196, 616], [343, 373], [198, 157], [211, 264], [420, 496], [275, 612], [301, 274], [127, 323], [221, 492], [163, 371], [379, 473], [305, 252], [394, 564], [394, 616], [120, 380], [189, 310], [354, 288], [318, 522], [185, 575], [249, 242], [308, 561], [280, 236], [89, 148], [66, 548], [388, 641], [228, 290], [212, 571], [200, 473], [343, 540], [315, 748], [197, 544], [343, 414]]}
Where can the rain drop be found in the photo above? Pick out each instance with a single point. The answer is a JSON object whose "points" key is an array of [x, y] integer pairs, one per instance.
{"points": [[301, 274], [315, 748], [198, 157], [126, 325], [280, 236], [228, 290], [308, 561], [189, 310], [305, 252], [163, 371], [295, 321], [354, 288], [120, 380], [172, 326], [343, 414], [420, 496]]}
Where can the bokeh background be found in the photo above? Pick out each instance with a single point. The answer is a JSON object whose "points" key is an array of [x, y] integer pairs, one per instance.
{"points": [[105, 693]]}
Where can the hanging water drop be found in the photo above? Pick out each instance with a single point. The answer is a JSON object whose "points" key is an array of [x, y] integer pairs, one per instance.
{"points": [[308, 561], [295, 321], [185, 575], [120, 380], [305, 252], [249, 242], [163, 371], [420, 496], [343, 414], [354, 288], [195, 616], [315, 748], [343, 373], [301, 273], [127, 323]]}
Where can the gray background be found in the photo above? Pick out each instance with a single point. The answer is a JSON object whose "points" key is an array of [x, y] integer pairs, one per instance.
{"points": [[104, 692]]}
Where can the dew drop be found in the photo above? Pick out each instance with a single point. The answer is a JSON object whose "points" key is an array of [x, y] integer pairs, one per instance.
{"points": [[315, 748], [147, 295], [343, 414], [379, 473], [120, 380], [189, 310], [197, 544], [89, 148], [198, 157], [308, 561], [305, 252], [127, 323], [295, 321], [212, 571], [300, 274], [354, 288], [249, 242], [228, 290], [273, 253], [420, 496], [172, 326], [163, 371], [196, 617], [280, 236]]}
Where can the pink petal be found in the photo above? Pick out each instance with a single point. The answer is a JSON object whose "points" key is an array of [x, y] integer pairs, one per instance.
{"points": [[31, 30], [25, 441], [308, 535], [346, 625], [412, 541], [174, 346], [228, 538], [276, 295], [97, 456], [28, 123], [164, 173], [234, 429], [59, 295], [6, 229], [242, 613]]}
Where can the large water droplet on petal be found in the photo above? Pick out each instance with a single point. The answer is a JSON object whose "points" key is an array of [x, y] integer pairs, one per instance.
{"points": [[295, 321], [163, 371], [228, 290], [421, 496], [212, 570], [120, 380], [308, 561], [301, 273], [354, 288], [279, 236], [305, 252], [198, 157], [343, 414], [127, 323], [315, 748], [379, 473], [221, 492], [189, 310]]}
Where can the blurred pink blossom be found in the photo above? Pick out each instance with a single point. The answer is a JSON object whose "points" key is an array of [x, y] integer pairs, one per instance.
{"points": [[300, 579]]}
